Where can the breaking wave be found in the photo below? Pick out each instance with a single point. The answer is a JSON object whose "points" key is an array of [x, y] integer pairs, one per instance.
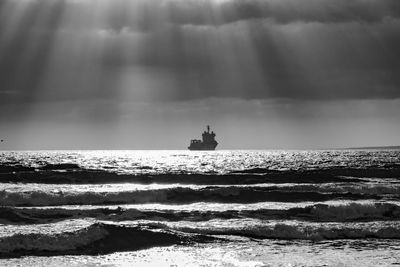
{"points": [[80, 176], [98, 238], [178, 195], [101, 238], [73, 173], [288, 232], [316, 213], [355, 188]]}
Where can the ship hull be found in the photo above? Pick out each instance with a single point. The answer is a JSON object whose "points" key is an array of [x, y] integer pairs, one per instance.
{"points": [[202, 147]]}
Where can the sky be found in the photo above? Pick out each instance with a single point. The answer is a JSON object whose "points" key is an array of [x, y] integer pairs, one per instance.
{"points": [[151, 74]]}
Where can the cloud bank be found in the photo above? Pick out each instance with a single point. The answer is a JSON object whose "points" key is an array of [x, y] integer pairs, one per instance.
{"points": [[181, 50]]}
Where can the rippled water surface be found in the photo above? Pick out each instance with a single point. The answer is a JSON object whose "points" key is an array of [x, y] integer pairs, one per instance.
{"points": [[218, 208], [154, 161]]}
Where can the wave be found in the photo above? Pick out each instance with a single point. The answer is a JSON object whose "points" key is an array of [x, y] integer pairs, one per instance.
{"points": [[355, 188], [80, 176], [178, 195], [17, 167], [73, 173], [98, 238], [378, 189], [384, 171], [316, 213], [4, 169], [346, 213], [283, 231], [103, 238]]}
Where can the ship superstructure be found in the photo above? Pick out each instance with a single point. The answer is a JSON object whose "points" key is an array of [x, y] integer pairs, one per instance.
{"points": [[208, 141]]}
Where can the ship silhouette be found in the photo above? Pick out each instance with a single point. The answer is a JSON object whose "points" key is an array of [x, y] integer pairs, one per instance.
{"points": [[208, 142]]}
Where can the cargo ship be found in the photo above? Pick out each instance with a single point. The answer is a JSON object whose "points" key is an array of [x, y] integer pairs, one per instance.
{"points": [[208, 142]]}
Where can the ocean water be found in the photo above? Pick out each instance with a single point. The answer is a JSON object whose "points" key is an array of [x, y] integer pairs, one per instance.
{"points": [[185, 208]]}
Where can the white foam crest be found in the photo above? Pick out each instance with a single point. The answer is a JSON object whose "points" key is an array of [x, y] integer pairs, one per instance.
{"points": [[203, 206], [280, 229]]}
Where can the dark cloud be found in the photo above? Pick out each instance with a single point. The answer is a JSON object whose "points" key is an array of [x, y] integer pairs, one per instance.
{"points": [[146, 15], [258, 59], [302, 49], [282, 11]]}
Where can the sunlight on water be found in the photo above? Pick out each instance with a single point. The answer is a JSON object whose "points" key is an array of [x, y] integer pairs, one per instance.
{"points": [[242, 254], [202, 162], [180, 208]]}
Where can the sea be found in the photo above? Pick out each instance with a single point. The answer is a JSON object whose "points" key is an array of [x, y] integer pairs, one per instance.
{"points": [[210, 208]]}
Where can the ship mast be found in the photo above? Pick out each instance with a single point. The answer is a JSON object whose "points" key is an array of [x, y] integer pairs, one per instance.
{"points": [[208, 128]]}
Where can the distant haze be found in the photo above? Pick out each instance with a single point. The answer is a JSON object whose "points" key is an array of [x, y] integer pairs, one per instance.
{"points": [[151, 74]]}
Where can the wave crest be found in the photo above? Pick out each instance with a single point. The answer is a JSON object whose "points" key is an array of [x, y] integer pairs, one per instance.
{"points": [[176, 195], [98, 238], [353, 212], [283, 231]]}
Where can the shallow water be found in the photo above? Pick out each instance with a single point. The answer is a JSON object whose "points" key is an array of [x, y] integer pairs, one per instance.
{"points": [[220, 208]]}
